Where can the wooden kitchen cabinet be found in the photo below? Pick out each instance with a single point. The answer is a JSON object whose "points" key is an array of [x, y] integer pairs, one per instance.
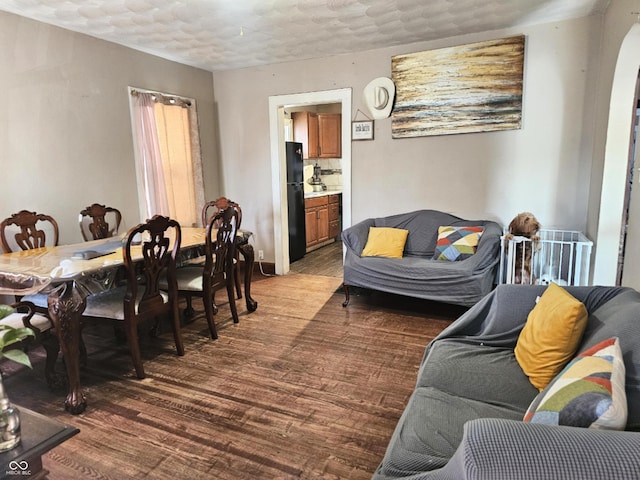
{"points": [[329, 135], [305, 131], [322, 220], [334, 216], [316, 215], [319, 133]]}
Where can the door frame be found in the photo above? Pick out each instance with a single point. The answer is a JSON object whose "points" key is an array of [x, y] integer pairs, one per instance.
{"points": [[616, 160], [277, 104]]}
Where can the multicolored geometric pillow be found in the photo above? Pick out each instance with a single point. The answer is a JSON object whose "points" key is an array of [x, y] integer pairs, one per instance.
{"points": [[457, 243], [588, 393]]}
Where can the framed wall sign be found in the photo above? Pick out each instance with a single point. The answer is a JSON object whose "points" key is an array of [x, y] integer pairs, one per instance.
{"points": [[362, 130]]}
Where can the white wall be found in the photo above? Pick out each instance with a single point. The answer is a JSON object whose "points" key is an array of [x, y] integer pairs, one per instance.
{"points": [[545, 167], [65, 131], [66, 141]]}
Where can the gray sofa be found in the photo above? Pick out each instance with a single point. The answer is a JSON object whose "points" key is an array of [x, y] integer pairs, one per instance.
{"points": [[463, 419], [416, 274]]}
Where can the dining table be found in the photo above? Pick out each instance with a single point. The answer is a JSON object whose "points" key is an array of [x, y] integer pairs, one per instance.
{"points": [[67, 274]]}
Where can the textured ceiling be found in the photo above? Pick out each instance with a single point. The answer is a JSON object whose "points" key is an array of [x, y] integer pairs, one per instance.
{"points": [[229, 34]]}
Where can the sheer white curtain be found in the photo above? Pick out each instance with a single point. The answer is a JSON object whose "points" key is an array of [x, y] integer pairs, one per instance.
{"points": [[174, 134], [168, 162], [151, 181]]}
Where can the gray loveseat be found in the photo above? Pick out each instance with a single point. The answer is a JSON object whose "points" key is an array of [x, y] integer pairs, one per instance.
{"points": [[416, 274], [463, 419]]}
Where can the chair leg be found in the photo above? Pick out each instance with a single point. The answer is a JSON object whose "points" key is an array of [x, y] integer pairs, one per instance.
{"points": [[210, 309], [175, 326], [236, 275], [154, 331], [189, 311], [213, 303], [134, 347], [232, 303], [52, 347]]}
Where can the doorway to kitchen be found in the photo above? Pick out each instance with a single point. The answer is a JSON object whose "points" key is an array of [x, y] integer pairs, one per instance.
{"points": [[277, 106], [314, 193], [326, 261]]}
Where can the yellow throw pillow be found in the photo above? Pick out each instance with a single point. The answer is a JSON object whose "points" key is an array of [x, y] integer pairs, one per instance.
{"points": [[551, 335], [385, 242]]}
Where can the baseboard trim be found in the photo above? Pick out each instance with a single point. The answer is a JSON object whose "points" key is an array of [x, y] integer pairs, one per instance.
{"points": [[267, 268]]}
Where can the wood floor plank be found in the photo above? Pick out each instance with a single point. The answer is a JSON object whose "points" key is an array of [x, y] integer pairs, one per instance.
{"points": [[302, 388]]}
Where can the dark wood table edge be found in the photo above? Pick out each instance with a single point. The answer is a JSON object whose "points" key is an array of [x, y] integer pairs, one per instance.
{"points": [[25, 452]]}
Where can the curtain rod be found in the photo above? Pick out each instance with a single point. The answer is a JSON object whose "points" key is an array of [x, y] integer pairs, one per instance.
{"points": [[164, 98]]}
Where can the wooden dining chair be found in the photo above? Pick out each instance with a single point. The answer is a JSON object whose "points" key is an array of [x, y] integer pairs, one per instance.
{"points": [[27, 230], [217, 271], [24, 315], [97, 221], [209, 210], [142, 299]]}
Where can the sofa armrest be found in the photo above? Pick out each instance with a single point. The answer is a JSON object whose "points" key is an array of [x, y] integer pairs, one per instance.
{"points": [[355, 237], [488, 252], [498, 448], [498, 318]]}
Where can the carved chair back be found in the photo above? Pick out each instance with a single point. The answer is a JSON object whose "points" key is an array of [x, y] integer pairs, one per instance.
{"points": [[211, 208], [220, 251], [158, 242], [27, 230], [209, 211], [159, 259], [219, 269], [97, 221]]}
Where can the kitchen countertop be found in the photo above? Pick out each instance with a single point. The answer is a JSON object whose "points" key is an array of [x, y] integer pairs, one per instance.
{"points": [[321, 194]]}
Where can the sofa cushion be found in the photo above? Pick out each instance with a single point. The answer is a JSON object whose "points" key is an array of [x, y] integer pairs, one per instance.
{"points": [[431, 429], [385, 242], [551, 335], [619, 317], [589, 392], [477, 372], [416, 274], [457, 243], [423, 229], [15, 320]]}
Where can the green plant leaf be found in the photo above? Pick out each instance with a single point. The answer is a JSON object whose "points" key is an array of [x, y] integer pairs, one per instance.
{"points": [[17, 356], [9, 336], [6, 310]]}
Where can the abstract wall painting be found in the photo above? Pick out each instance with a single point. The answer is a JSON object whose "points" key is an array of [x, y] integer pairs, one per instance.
{"points": [[462, 89]]}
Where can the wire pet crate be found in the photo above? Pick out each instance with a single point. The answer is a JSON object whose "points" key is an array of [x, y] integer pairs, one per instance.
{"points": [[560, 256]]}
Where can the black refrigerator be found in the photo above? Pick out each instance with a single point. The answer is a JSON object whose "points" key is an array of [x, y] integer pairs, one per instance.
{"points": [[295, 201]]}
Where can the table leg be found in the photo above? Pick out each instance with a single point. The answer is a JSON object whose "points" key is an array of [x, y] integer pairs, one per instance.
{"points": [[66, 305], [246, 249]]}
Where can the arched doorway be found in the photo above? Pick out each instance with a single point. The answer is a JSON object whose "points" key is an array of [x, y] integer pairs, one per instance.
{"points": [[613, 200]]}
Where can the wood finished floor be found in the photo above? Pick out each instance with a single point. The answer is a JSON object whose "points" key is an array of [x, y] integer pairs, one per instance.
{"points": [[325, 261], [301, 388]]}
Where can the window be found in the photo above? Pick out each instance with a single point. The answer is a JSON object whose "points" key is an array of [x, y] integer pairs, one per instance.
{"points": [[168, 164]]}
